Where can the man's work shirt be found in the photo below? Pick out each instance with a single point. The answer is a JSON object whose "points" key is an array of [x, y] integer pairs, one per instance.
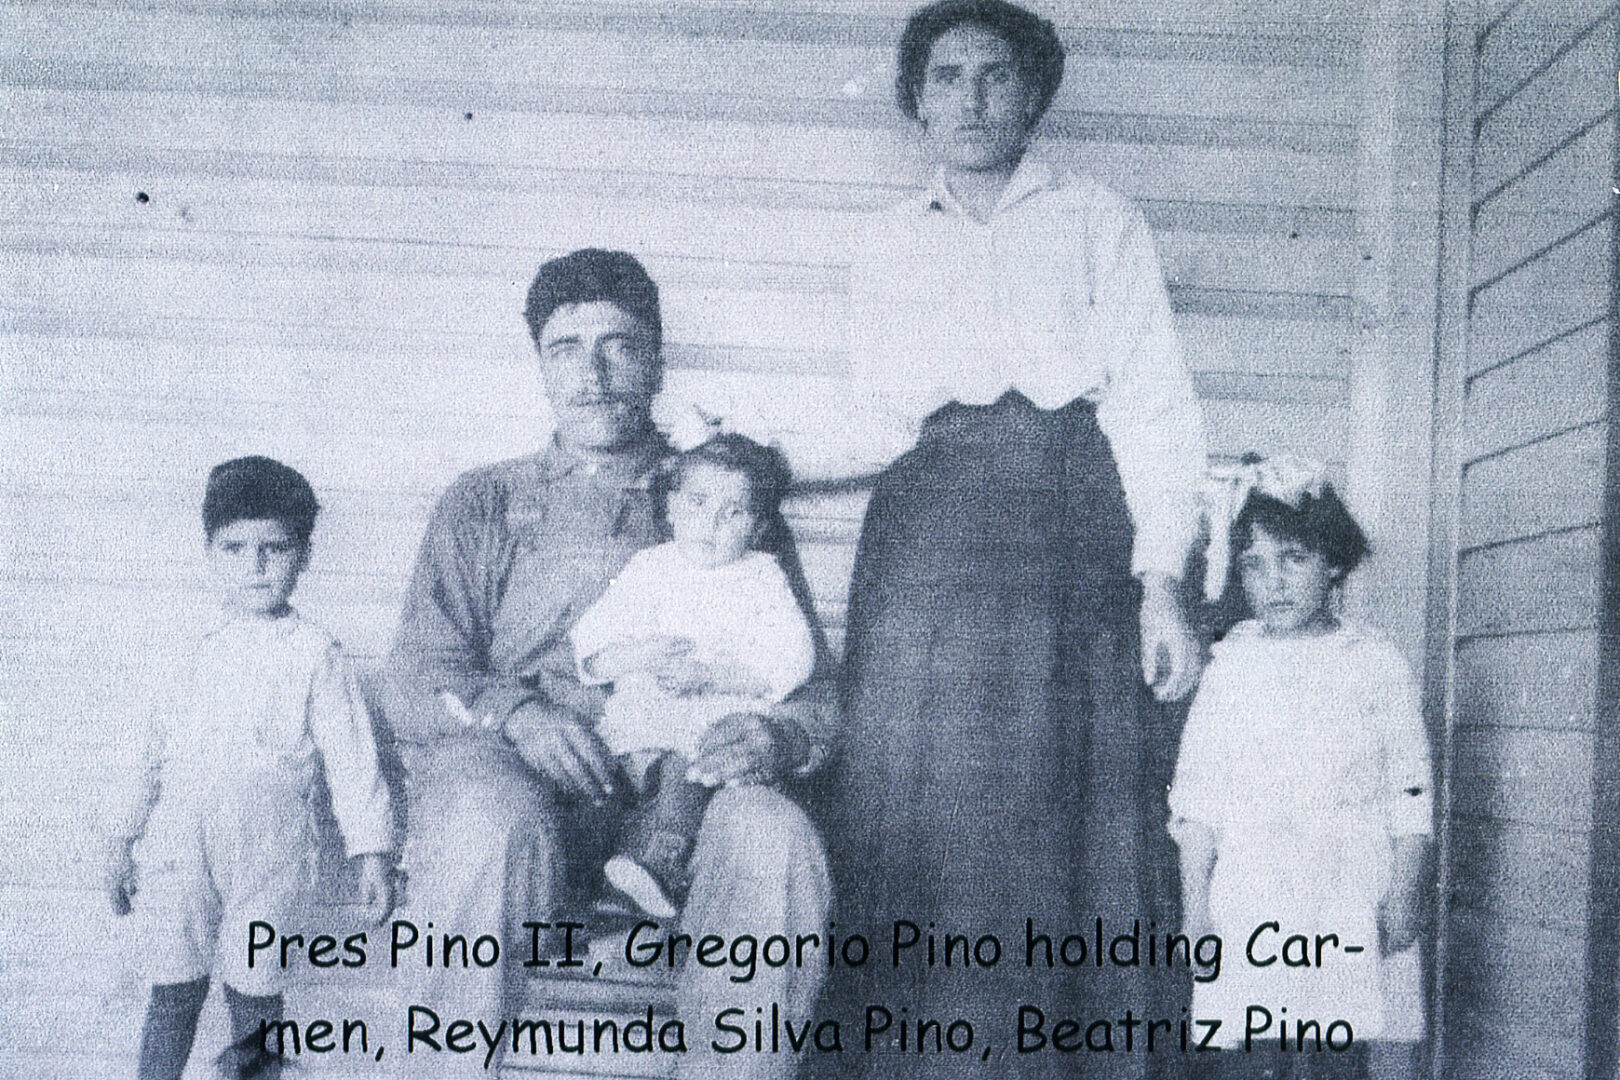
{"points": [[514, 554]]}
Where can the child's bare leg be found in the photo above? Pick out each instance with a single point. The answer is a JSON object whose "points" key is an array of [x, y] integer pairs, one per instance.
{"points": [[171, 1027]]}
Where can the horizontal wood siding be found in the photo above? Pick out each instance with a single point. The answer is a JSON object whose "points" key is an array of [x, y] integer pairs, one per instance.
{"points": [[306, 230]]}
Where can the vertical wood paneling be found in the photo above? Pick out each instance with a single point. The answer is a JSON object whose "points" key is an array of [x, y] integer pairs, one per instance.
{"points": [[1528, 784]]}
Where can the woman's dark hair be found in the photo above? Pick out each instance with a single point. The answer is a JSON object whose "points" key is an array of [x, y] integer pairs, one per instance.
{"points": [[1320, 523], [1034, 43], [588, 276], [764, 467], [259, 489]]}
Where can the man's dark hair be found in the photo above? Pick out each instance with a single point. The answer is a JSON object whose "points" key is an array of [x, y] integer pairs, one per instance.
{"points": [[588, 276], [1034, 42], [259, 489]]}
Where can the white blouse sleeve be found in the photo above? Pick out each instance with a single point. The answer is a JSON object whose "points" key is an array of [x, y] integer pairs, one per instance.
{"points": [[1149, 411]]}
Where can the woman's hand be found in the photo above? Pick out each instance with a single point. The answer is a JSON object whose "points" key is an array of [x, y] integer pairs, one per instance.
{"points": [[376, 887], [1400, 913], [1400, 919], [1170, 661], [118, 873]]}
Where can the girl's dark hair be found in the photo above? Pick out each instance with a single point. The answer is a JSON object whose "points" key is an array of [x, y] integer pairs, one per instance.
{"points": [[763, 466], [1034, 43], [1320, 523], [259, 489]]}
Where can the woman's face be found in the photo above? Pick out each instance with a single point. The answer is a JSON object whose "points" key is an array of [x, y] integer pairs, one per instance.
{"points": [[975, 106]]}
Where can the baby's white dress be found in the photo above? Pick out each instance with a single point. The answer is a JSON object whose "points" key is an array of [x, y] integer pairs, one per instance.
{"points": [[742, 612]]}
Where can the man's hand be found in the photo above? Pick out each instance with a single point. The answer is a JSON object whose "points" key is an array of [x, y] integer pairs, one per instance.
{"points": [[118, 873], [682, 676], [1169, 649], [746, 748], [376, 887], [562, 749]]}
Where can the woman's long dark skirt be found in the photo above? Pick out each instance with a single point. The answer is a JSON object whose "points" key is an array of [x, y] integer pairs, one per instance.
{"points": [[1003, 773]]}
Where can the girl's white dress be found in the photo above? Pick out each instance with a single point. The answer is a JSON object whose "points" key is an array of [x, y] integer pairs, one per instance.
{"points": [[1306, 757]]}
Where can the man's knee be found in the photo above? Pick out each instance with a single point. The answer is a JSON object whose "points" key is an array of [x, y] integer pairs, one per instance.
{"points": [[481, 810], [757, 828]]}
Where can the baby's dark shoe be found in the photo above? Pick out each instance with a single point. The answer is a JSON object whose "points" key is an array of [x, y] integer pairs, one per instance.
{"points": [[249, 1061]]}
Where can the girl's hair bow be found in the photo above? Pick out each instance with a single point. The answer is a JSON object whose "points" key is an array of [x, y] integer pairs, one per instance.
{"points": [[1286, 478]]}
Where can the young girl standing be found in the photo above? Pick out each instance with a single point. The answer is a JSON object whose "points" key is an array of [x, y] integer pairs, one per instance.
{"points": [[1302, 796]]}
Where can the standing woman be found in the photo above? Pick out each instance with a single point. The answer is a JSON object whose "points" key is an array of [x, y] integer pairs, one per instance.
{"points": [[1016, 583]]}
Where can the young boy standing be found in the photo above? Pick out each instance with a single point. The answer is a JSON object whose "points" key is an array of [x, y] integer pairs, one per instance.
{"points": [[225, 798]]}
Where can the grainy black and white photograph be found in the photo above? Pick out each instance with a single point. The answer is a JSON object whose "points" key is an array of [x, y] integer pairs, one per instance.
{"points": [[810, 539]]}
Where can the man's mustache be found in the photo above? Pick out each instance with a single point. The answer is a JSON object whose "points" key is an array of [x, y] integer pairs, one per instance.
{"points": [[591, 401]]}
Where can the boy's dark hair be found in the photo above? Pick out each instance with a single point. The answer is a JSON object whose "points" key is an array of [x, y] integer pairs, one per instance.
{"points": [[764, 467], [259, 489], [1320, 523], [1034, 43], [588, 276]]}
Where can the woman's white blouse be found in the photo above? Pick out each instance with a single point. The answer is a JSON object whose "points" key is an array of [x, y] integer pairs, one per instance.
{"points": [[1058, 295]]}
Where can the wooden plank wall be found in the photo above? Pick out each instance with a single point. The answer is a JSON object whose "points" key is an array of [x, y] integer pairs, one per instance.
{"points": [[1536, 407], [306, 230]]}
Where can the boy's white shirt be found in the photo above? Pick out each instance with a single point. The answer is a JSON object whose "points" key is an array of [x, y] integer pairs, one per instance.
{"points": [[260, 695]]}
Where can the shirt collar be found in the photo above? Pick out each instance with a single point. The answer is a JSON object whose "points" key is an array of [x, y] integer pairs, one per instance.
{"points": [[631, 467], [1031, 176]]}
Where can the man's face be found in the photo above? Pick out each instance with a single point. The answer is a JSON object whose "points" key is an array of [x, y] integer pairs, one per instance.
{"points": [[600, 370]]}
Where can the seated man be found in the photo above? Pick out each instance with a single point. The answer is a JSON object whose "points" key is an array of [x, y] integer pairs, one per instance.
{"points": [[510, 790]]}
